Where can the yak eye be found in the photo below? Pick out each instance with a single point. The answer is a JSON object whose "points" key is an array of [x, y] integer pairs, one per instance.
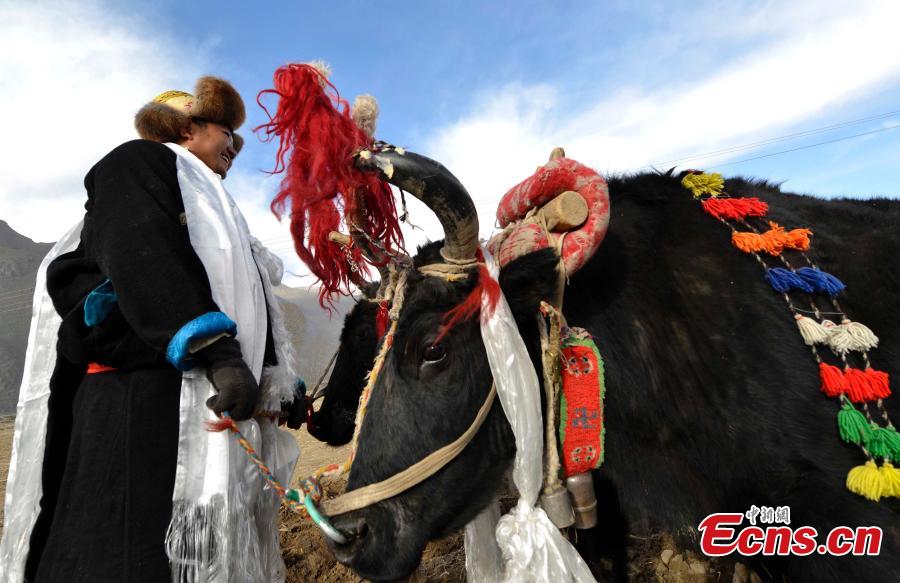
{"points": [[434, 353]]}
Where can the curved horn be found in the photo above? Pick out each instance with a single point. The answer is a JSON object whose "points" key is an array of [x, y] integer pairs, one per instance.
{"points": [[439, 189]]}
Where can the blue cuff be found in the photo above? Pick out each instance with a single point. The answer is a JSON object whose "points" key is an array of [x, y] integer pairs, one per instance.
{"points": [[205, 326], [98, 304]]}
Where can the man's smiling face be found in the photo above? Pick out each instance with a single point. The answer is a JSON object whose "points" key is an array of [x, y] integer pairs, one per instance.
{"points": [[211, 142]]}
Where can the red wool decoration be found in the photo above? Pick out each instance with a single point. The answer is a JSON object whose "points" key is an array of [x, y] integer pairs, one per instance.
{"points": [[879, 383], [472, 304], [859, 389], [382, 319], [735, 208], [317, 140], [832, 379]]}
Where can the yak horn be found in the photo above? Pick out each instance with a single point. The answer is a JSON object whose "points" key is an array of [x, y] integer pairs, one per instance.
{"points": [[339, 238], [440, 190]]}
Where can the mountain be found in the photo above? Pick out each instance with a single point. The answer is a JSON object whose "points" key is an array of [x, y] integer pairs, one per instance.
{"points": [[19, 261]]}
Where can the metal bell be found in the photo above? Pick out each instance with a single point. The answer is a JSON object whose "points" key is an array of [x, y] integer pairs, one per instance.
{"points": [[558, 506], [581, 487]]}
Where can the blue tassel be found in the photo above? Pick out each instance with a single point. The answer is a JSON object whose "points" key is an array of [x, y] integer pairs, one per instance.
{"points": [[784, 280], [821, 281]]}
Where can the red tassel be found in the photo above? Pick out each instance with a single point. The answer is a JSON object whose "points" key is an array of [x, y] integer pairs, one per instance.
{"points": [[472, 304], [879, 382], [859, 389], [735, 208], [220, 424], [832, 379], [382, 319], [317, 140]]}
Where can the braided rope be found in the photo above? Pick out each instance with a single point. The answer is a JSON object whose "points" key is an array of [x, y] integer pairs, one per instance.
{"points": [[292, 498]]}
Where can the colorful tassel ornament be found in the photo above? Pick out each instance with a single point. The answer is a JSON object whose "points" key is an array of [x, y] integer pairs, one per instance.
{"points": [[811, 331], [821, 281], [773, 241], [832, 379], [890, 480], [879, 383], [700, 184], [867, 481], [883, 442], [783, 280], [857, 385], [850, 336], [852, 425], [735, 208]]}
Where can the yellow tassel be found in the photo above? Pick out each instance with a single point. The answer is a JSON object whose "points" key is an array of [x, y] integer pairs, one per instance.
{"points": [[700, 184], [866, 481], [890, 476]]}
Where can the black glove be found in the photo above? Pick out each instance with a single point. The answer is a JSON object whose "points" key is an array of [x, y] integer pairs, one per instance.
{"points": [[294, 413], [231, 377]]}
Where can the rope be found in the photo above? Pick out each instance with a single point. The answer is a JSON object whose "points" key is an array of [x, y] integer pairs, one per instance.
{"points": [[414, 474], [550, 357], [293, 499]]}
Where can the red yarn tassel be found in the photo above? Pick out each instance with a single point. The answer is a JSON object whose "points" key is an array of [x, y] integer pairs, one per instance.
{"points": [[382, 319], [735, 208], [879, 383], [859, 389], [317, 140], [219, 425], [472, 304], [832, 379]]}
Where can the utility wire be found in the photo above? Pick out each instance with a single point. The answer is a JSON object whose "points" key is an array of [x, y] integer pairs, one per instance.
{"points": [[884, 129], [765, 142], [749, 146]]}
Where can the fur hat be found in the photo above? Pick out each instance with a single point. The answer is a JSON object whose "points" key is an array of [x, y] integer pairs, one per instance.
{"points": [[214, 100]]}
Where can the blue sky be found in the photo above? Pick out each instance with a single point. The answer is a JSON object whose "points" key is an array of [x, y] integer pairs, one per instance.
{"points": [[487, 88]]}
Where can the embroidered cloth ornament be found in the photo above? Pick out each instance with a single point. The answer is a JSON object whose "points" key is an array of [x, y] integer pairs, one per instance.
{"points": [[523, 233], [851, 386], [582, 428]]}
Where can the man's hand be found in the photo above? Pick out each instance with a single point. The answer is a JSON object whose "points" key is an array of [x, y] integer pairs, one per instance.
{"points": [[238, 391]]}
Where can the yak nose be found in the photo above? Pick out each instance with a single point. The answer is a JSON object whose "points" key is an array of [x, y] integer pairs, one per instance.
{"points": [[355, 529]]}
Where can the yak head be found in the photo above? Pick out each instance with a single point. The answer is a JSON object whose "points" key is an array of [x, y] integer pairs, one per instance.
{"points": [[430, 387], [333, 423]]}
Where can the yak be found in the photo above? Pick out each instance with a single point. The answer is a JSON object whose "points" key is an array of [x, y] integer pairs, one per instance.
{"points": [[712, 400]]}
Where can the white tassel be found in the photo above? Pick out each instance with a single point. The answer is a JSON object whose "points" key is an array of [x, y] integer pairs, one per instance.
{"points": [[812, 331], [851, 336]]}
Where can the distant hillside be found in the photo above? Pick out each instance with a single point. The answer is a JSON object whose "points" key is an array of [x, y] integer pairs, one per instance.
{"points": [[315, 333], [19, 261]]}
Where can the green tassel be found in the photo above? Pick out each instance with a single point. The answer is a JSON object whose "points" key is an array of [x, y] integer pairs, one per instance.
{"points": [[878, 442], [891, 440], [853, 425]]}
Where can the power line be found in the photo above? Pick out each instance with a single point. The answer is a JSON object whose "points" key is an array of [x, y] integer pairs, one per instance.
{"points": [[765, 142], [768, 141], [806, 147]]}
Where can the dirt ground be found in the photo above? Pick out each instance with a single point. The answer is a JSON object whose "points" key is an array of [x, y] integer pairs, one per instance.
{"points": [[652, 559]]}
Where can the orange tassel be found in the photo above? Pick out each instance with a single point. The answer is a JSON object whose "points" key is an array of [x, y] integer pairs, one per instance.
{"points": [[773, 241]]}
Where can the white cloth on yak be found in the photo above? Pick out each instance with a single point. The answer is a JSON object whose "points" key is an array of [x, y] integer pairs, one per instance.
{"points": [[532, 548], [224, 521]]}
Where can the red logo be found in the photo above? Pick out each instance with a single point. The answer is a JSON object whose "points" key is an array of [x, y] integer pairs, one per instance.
{"points": [[721, 534]]}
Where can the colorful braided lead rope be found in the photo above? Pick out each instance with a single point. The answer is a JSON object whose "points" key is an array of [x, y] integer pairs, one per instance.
{"points": [[851, 386], [295, 499]]}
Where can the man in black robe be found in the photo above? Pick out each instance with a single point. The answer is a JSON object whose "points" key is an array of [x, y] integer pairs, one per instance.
{"points": [[137, 310]]}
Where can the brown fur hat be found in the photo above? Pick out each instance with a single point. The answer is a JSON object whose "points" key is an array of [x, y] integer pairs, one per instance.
{"points": [[214, 100]]}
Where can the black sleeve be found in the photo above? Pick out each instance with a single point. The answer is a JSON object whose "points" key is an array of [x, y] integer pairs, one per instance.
{"points": [[133, 229]]}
